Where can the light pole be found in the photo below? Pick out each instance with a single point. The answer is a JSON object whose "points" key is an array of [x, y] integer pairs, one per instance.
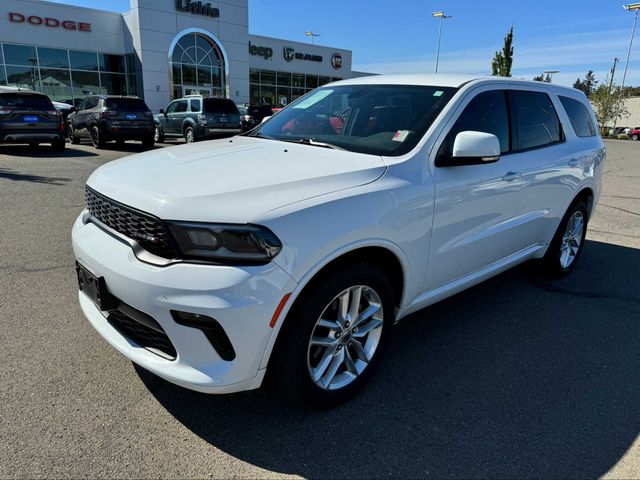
{"points": [[613, 73], [312, 35], [442, 17], [549, 74], [632, 7]]}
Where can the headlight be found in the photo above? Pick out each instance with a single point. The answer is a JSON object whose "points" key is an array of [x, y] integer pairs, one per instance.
{"points": [[226, 243]]}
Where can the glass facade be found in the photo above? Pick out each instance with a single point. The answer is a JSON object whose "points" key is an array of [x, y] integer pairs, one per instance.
{"points": [[197, 67], [66, 75], [278, 89]]}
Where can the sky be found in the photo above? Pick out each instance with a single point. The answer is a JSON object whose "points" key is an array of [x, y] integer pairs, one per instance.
{"points": [[401, 37]]}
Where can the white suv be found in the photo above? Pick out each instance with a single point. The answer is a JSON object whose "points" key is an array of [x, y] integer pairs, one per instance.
{"points": [[293, 249]]}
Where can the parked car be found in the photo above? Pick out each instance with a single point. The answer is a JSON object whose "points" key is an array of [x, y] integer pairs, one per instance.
{"points": [[65, 110], [252, 115], [105, 118], [29, 117], [196, 118], [634, 133], [291, 252]]}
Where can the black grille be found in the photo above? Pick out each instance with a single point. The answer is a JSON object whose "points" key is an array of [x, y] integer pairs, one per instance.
{"points": [[154, 339], [150, 232]]}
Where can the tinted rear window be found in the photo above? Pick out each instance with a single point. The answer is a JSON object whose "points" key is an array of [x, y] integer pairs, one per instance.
{"points": [[217, 105], [579, 117], [25, 100], [128, 104], [538, 123]]}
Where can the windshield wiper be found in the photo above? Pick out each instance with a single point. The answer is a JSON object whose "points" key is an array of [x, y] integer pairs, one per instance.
{"points": [[311, 141]]}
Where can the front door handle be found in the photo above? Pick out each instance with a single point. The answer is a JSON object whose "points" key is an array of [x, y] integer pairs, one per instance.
{"points": [[511, 176]]}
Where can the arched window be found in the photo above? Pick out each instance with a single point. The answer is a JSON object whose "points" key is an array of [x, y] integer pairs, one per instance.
{"points": [[197, 66]]}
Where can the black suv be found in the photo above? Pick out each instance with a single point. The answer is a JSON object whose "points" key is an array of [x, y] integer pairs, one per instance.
{"points": [[104, 118], [196, 118], [252, 115], [29, 117]]}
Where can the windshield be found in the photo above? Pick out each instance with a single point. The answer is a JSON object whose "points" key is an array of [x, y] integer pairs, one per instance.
{"points": [[127, 104], [219, 105], [25, 100], [375, 119]]}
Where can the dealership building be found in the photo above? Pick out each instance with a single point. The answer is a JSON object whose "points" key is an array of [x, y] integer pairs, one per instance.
{"points": [[158, 50]]}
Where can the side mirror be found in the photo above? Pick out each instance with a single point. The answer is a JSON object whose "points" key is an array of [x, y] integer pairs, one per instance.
{"points": [[162, 112], [472, 148], [73, 110], [266, 118]]}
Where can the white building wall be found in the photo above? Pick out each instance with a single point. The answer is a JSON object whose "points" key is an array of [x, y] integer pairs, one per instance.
{"points": [[632, 120]]}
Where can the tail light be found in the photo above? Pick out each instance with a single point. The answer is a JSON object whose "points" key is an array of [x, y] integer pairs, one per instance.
{"points": [[202, 119], [54, 113], [148, 113], [5, 110], [107, 114]]}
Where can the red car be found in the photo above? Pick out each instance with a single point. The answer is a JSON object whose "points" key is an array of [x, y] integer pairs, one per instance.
{"points": [[634, 133]]}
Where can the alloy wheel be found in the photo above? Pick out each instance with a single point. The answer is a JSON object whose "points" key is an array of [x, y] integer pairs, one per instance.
{"points": [[572, 239], [345, 338]]}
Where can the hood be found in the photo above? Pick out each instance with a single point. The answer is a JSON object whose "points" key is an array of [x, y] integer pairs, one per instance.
{"points": [[232, 180]]}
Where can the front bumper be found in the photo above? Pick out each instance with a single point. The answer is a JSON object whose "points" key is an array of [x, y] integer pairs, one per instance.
{"points": [[242, 299]]}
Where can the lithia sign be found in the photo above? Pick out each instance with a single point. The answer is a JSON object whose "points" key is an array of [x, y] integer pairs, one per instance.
{"points": [[197, 8]]}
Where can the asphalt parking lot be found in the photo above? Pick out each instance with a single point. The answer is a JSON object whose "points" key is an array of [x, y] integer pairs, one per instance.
{"points": [[518, 377]]}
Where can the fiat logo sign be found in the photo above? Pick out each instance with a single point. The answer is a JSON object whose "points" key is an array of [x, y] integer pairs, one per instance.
{"points": [[336, 61]]}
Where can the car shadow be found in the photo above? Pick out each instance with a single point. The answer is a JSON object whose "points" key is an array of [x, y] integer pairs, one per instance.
{"points": [[43, 151], [517, 377], [8, 174]]}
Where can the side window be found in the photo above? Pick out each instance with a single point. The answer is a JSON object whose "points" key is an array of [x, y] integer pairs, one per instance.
{"points": [[537, 120], [172, 107], [91, 103], [181, 106], [83, 105], [487, 113], [195, 105], [579, 116]]}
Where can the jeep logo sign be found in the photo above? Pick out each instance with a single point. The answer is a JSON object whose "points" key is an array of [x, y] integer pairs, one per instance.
{"points": [[264, 52], [49, 22], [197, 8]]}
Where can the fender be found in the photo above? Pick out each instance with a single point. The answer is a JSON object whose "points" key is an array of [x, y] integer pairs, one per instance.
{"points": [[373, 242]]}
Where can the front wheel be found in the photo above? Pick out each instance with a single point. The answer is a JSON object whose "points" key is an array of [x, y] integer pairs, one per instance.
{"points": [[73, 136], [158, 136], [567, 244], [334, 337], [634, 137], [96, 138]]}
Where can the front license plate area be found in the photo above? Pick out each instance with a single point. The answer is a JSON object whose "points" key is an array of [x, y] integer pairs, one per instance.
{"points": [[95, 288]]}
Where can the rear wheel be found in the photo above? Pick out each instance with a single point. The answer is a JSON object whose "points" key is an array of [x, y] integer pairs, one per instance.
{"points": [[634, 137], [58, 145], [96, 138], [334, 338], [189, 135], [148, 142], [158, 136], [566, 247]]}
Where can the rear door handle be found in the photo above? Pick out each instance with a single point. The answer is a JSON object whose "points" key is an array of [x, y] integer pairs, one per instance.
{"points": [[511, 176]]}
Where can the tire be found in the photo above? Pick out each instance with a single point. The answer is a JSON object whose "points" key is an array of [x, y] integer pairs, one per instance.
{"points": [[190, 135], [302, 371], [97, 139], [566, 247], [73, 138], [158, 136], [58, 145], [634, 137], [148, 143]]}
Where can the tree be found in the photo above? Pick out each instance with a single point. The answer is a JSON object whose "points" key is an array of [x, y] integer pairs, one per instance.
{"points": [[588, 85], [542, 78], [608, 105], [502, 61]]}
